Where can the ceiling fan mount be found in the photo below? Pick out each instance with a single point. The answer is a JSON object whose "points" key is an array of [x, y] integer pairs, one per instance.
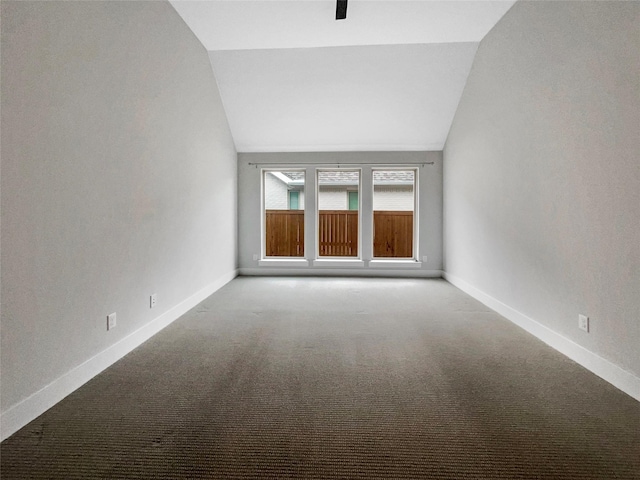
{"points": [[341, 9]]}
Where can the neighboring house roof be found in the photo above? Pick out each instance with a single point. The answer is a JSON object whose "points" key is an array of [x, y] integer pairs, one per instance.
{"points": [[295, 176], [336, 178], [393, 177]]}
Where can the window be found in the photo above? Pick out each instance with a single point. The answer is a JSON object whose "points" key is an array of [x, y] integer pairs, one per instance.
{"points": [[283, 213], [353, 200], [338, 215], [293, 200], [334, 233], [393, 213]]}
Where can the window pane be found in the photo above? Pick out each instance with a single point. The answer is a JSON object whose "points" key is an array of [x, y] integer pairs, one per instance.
{"points": [[338, 216], [293, 200], [284, 213], [353, 200], [393, 209]]}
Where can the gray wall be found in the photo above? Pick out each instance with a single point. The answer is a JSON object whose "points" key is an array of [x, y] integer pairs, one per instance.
{"points": [[118, 179], [542, 172], [430, 197]]}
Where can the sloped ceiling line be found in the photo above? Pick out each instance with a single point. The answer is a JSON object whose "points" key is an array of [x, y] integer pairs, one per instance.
{"points": [[389, 77]]}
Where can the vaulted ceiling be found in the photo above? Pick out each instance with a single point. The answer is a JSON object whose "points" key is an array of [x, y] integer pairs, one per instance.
{"points": [[292, 78]]}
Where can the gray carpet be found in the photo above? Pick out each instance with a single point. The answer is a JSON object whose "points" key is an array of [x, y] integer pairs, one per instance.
{"points": [[336, 378]]}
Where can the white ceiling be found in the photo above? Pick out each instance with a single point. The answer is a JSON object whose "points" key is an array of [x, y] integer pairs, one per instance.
{"points": [[248, 25], [292, 78], [393, 97]]}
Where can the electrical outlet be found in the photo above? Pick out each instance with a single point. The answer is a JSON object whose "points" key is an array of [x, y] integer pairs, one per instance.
{"points": [[111, 321], [583, 323], [152, 300], [424, 259], [255, 256]]}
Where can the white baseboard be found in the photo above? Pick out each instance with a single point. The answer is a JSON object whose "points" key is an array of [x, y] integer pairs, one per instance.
{"points": [[36, 404], [612, 373], [341, 272]]}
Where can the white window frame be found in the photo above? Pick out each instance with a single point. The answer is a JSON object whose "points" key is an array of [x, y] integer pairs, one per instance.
{"points": [[393, 262], [329, 261], [311, 206], [274, 261]]}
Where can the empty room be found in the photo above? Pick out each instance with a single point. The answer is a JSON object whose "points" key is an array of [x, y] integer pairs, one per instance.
{"points": [[329, 239]]}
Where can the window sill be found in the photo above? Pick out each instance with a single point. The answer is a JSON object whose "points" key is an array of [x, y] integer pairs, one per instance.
{"points": [[409, 263], [338, 263], [284, 262]]}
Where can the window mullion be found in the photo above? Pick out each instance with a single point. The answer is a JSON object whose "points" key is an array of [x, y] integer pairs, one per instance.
{"points": [[366, 213], [310, 220]]}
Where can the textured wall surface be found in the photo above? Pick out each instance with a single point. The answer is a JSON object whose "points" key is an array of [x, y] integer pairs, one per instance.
{"points": [[542, 175], [275, 193], [332, 198], [118, 179], [398, 198]]}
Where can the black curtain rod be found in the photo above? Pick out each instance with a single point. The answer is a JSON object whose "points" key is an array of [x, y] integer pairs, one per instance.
{"points": [[297, 165]]}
